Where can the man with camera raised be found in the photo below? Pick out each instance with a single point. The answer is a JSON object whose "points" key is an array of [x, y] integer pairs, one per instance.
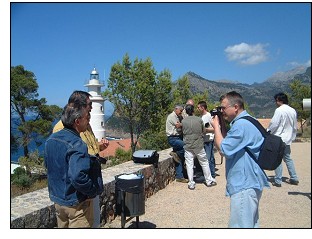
{"points": [[245, 179]]}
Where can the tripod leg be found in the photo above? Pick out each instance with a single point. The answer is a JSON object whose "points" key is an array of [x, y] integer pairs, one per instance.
{"points": [[123, 215], [137, 221]]}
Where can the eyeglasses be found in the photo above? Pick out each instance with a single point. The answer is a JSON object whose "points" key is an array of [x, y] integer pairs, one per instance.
{"points": [[224, 107]]}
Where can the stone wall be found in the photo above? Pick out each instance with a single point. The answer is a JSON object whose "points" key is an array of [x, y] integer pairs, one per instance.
{"points": [[35, 210]]}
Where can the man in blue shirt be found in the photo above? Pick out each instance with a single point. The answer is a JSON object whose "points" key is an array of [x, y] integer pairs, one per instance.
{"points": [[245, 179]]}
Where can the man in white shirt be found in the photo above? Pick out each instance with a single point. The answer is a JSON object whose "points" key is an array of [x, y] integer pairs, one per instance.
{"points": [[208, 137], [284, 125]]}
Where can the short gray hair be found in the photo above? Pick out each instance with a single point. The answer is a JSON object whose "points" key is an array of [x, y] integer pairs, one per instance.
{"points": [[70, 114], [180, 107]]}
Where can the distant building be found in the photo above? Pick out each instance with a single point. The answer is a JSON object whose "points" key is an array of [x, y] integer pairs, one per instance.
{"points": [[97, 113], [124, 144]]}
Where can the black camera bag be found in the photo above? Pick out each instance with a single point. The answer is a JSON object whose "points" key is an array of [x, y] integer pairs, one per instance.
{"points": [[146, 157], [272, 149]]}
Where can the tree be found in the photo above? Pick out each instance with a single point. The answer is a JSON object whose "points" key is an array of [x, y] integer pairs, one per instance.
{"points": [[181, 91], [140, 96], [299, 91], [30, 115]]}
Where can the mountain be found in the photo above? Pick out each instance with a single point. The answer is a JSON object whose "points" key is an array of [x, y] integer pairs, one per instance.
{"points": [[258, 96]]}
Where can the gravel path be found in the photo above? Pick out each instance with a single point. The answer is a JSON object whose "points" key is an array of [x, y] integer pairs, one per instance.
{"points": [[178, 207]]}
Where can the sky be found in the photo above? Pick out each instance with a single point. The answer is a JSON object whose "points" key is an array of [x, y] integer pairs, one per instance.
{"points": [[244, 42]]}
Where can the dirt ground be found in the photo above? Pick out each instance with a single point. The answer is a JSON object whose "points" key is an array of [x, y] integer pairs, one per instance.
{"points": [[178, 207]]}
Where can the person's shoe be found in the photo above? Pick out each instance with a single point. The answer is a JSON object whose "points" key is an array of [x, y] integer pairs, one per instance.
{"points": [[175, 157], [291, 181], [182, 180], [191, 187], [276, 184], [211, 184]]}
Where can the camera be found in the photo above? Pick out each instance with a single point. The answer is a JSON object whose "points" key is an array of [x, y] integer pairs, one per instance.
{"points": [[207, 125], [216, 111], [102, 160], [98, 158]]}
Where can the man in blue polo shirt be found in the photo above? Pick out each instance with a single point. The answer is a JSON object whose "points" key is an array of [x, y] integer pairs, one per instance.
{"points": [[245, 179]]}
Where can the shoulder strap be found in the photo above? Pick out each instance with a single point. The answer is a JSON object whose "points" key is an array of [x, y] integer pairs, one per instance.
{"points": [[259, 127], [257, 124]]}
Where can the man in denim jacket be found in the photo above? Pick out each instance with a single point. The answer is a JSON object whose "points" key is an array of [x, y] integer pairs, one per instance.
{"points": [[95, 147], [73, 177]]}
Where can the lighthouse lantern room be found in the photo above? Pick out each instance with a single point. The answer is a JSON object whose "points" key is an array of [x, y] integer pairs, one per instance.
{"points": [[97, 113]]}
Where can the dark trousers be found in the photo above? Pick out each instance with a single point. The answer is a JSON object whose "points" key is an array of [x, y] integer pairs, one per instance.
{"points": [[177, 144]]}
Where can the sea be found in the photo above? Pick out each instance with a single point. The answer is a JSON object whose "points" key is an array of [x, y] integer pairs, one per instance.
{"points": [[32, 146]]}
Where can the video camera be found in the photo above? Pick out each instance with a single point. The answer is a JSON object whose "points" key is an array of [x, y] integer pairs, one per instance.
{"points": [[216, 111]]}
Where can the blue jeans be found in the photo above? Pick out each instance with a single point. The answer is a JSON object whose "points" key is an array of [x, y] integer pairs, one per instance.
{"points": [[244, 209], [290, 166], [177, 144], [211, 159]]}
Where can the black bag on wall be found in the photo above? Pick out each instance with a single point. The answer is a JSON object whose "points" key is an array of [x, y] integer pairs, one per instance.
{"points": [[146, 157]]}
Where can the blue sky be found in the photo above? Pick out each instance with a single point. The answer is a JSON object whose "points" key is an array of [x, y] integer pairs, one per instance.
{"points": [[61, 43]]}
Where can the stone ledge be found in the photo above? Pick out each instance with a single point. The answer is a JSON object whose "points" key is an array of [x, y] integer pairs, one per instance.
{"points": [[35, 210]]}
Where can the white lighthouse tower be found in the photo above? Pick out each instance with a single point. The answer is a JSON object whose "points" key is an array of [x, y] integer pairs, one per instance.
{"points": [[97, 113]]}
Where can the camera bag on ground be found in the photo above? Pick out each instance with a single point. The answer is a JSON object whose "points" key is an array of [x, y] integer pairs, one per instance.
{"points": [[146, 157], [272, 149]]}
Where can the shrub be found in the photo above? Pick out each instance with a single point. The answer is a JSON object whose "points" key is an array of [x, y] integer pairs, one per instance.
{"points": [[23, 181], [122, 155], [18, 172]]}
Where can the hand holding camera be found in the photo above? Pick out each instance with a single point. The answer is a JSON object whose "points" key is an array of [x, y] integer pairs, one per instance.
{"points": [[218, 120]]}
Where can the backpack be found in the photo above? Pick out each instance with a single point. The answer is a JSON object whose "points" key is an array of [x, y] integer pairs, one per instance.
{"points": [[272, 148]]}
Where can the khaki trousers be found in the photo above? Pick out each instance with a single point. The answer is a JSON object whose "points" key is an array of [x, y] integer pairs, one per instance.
{"points": [[77, 216]]}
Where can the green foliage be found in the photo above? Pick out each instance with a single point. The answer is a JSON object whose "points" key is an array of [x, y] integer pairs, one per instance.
{"points": [[154, 140], [140, 95], [33, 163], [20, 178], [23, 181], [24, 103], [298, 93], [121, 156], [181, 91], [18, 172]]}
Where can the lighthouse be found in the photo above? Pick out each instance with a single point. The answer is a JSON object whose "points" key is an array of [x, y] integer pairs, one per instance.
{"points": [[97, 113]]}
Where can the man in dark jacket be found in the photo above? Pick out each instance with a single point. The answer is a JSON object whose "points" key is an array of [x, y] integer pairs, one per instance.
{"points": [[72, 175], [95, 148]]}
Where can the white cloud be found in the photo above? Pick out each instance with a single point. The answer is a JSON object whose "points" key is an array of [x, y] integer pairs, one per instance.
{"points": [[295, 63], [246, 54]]}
